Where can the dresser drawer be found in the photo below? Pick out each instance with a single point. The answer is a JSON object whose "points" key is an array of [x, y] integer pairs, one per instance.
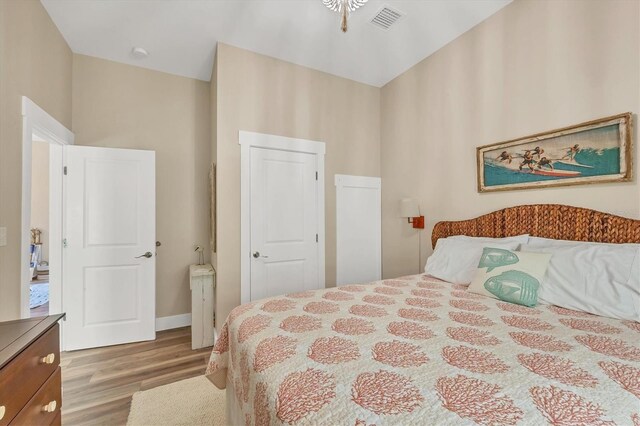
{"points": [[58, 420], [44, 407], [26, 373]]}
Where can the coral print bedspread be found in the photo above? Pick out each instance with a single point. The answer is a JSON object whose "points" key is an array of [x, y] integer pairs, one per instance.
{"points": [[420, 351]]}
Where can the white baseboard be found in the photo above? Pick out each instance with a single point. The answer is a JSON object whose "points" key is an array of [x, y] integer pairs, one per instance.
{"points": [[175, 321]]}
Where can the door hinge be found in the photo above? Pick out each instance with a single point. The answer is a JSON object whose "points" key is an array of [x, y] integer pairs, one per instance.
{"points": [[316, 238], [64, 170], [316, 175], [64, 243]]}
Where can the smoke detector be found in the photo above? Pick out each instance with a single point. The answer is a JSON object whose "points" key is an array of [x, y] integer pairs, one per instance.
{"points": [[386, 17], [139, 53]]}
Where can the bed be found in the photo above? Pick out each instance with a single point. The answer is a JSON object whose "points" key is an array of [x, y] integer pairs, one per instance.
{"points": [[417, 350]]}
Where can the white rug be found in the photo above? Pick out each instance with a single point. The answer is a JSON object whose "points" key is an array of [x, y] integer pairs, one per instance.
{"points": [[192, 402], [38, 295]]}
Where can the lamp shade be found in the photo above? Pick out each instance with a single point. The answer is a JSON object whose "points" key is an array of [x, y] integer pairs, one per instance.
{"points": [[409, 208]]}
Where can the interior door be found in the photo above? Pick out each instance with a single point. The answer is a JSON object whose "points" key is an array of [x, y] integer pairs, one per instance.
{"points": [[109, 254], [284, 222]]}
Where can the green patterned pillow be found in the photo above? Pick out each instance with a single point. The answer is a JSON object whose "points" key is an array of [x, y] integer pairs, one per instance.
{"points": [[512, 276]]}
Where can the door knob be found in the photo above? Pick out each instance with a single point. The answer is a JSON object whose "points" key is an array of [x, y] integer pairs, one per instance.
{"points": [[147, 255], [256, 254]]}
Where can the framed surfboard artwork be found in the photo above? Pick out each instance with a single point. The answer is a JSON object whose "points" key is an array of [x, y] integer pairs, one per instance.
{"points": [[597, 151]]}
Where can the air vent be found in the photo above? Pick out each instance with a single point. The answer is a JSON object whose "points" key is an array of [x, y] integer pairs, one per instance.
{"points": [[386, 17]]}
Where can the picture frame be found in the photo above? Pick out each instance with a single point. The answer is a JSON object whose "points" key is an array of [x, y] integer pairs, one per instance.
{"points": [[596, 151], [213, 209]]}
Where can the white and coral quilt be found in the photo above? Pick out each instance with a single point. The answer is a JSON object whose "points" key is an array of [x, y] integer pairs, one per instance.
{"points": [[420, 351]]}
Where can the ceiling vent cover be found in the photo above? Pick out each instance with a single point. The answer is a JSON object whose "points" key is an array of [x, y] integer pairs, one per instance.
{"points": [[386, 17]]}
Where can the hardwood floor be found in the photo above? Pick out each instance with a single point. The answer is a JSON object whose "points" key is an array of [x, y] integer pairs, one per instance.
{"points": [[40, 311], [98, 383]]}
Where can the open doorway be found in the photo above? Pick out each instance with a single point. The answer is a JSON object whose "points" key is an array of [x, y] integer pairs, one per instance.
{"points": [[40, 228], [43, 139], [106, 279]]}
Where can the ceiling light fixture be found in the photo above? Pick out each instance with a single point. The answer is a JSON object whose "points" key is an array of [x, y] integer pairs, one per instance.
{"points": [[344, 7]]}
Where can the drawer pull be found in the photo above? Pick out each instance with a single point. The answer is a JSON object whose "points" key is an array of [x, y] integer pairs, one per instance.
{"points": [[50, 407], [3, 410], [49, 359]]}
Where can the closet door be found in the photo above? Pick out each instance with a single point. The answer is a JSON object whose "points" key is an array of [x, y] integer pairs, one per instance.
{"points": [[358, 228], [284, 223]]}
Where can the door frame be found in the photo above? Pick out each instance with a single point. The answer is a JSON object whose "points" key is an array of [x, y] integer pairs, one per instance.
{"points": [[248, 140], [35, 120]]}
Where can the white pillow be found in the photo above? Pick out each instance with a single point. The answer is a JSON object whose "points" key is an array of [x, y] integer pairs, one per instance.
{"points": [[456, 259], [550, 242], [602, 279]]}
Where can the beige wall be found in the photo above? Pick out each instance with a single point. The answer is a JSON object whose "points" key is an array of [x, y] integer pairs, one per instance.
{"points": [[262, 94], [40, 193], [35, 61], [121, 106], [536, 65]]}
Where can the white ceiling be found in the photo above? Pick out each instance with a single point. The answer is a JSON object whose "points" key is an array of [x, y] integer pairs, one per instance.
{"points": [[181, 35]]}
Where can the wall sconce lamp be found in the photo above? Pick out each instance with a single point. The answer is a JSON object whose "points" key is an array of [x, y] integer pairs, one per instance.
{"points": [[409, 209]]}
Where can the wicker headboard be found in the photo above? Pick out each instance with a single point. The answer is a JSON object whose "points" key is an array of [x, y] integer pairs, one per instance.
{"points": [[545, 220]]}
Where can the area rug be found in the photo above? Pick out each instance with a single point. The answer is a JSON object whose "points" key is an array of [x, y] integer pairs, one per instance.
{"points": [[193, 402], [38, 295]]}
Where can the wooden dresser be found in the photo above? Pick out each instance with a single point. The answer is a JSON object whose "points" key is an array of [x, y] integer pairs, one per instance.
{"points": [[30, 386]]}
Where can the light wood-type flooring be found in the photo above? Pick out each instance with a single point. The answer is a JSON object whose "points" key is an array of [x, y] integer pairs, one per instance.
{"points": [[98, 383], [40, 311]]}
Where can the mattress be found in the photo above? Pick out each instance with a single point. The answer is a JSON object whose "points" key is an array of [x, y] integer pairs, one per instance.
{"points": [[416, 350]]}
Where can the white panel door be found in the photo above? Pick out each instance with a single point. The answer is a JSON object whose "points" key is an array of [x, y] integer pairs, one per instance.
{"points": [[109, 258], [358, 229], [284, 223]]}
